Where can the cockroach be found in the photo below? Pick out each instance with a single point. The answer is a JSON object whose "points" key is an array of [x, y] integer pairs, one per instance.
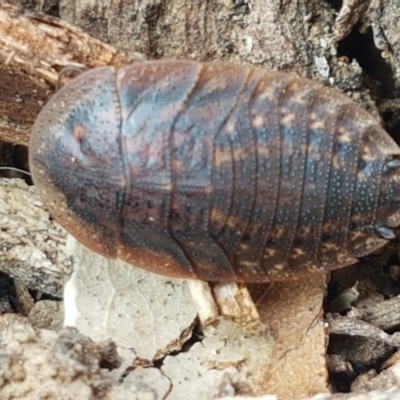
{"points": [[216, 172]]}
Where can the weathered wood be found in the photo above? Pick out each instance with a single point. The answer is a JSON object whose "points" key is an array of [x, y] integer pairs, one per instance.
{"points": [[32, 246], [34, 48]]}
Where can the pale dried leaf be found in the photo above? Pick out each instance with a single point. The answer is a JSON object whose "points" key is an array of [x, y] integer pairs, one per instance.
{"points": [[32, 247], [230, 350], [139, 310]]}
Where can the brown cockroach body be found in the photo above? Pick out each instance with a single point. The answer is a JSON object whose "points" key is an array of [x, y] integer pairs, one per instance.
{"points": [[216, 172]]}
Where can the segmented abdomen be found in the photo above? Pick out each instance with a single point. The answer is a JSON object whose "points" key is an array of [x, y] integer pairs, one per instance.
{"points": [[242, 174]]}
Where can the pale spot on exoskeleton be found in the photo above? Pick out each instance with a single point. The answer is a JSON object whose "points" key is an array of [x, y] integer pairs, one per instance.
{"points": [[344, 259], [239, 154], [314, 155], [263, 151], [329, 247], [304, 231], [78, 132], [331, 110], [180, 108], [356, 236], [222, 156], [298, 252], [395, 178], [371, 242], [232, 222], [248, 264], [268, 95], [327, 227], [368, 155], [268, 252], [310, 266], [244, 246], [303, 148], [357, 218], [288, 119], [344, 136], [230, 127], [206, 189], [280, 266], [317, 124], [335, 162], [178, 166], [122, 182], [217, 217], [277, 232], [258, 121], [167, 187], [301, 97]]}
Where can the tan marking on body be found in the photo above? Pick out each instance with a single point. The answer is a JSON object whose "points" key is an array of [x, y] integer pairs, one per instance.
{"points": [[329, 247], [368, 155], [258, 121], [268, 95], [315, 155], [298, 252], [178, 165], [240, 154], [206, 189], [335, 162], [248, 264], [317, 124], [277, 232], [268, 252], [280, 266], [288, 119], [304, 231], [230, 127], [345, 136], [217, 216], [395, 178], [371, 242], [222, 157], [232, 222], [357, 218], [354, 236], [327, 227], [264, 151], [302, 96], [78, 132], [344, 258]]}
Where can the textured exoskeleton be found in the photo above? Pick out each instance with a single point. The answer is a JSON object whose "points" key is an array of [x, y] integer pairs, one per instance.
{"points": [[215, 171]]}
